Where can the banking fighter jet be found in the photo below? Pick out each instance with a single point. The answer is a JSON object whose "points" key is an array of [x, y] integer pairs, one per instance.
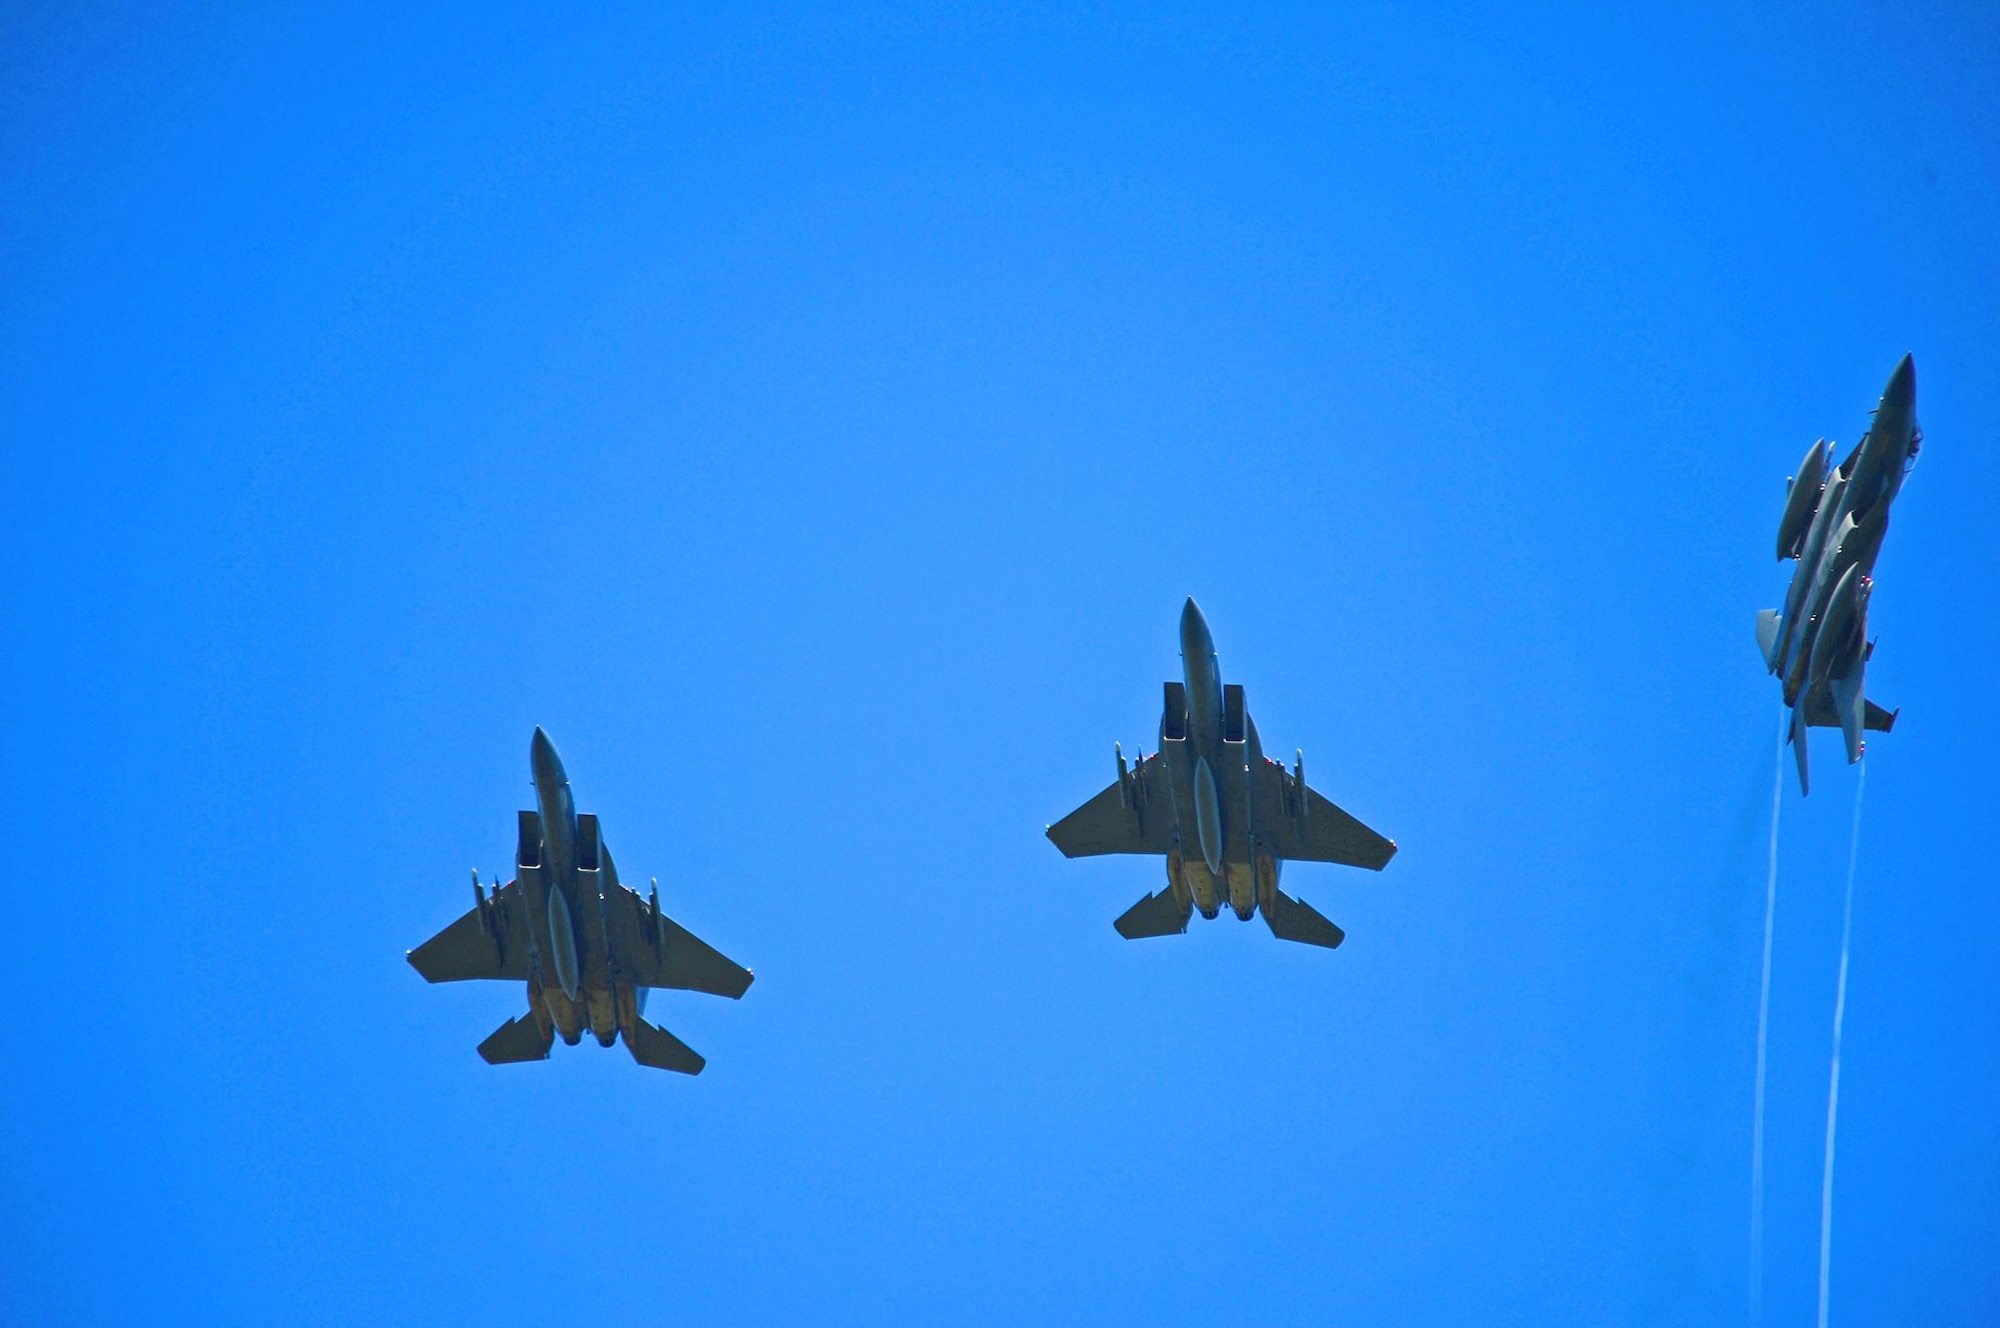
{"points": [[1225, 817], [587, 947], [1817, 643]]}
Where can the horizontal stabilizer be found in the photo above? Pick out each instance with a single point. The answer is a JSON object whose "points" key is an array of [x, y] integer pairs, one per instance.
{"points": [[1767, 636], [1155, 915], [1820, 713], [655, 1046], [1295, 920], [517, 1040]]}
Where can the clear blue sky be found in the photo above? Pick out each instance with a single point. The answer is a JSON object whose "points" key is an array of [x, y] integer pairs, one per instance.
{"points": [[815, 423]]}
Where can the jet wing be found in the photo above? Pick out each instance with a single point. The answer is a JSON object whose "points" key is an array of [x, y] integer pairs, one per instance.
{"points": [[1315, 831], [1110, 823], [489, 945], [658, 952]]}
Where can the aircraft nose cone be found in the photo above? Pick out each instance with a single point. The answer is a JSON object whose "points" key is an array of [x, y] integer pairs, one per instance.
{"points": [[1902, 389], [542, 759], [1195, 639]]}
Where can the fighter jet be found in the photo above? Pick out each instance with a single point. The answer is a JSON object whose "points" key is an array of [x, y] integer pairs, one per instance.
{"points": [[587, 947], [1833, 524], [1226, 817]]}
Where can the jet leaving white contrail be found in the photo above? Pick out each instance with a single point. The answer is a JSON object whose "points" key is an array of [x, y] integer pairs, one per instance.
{"points": [[1763, 1026], [1833, 1081]]}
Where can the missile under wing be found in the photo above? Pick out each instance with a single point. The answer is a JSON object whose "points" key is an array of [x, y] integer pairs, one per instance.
{"points": [[587, 947], [1224, 816]]}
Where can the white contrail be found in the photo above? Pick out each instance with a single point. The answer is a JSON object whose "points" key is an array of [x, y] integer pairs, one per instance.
{"points": [[1833, 1082], [1763, 1026]]}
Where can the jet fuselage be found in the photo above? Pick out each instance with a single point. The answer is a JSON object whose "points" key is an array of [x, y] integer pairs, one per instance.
{"points": [[570, 983], [1216, 765], [560, 914]]}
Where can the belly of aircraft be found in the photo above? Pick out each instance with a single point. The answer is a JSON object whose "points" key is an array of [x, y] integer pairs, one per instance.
{"points": [[562, 944], [1208, 815]]}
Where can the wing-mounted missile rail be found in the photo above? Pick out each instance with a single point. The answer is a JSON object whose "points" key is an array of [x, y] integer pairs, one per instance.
{"points": [[1295, 793], [492, 918], [656, 928], [1801, 501], [1132, 785]]}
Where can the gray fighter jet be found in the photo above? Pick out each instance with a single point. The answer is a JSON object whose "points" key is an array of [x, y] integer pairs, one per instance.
{"points": [[1833, 524], [587, 947], [1224, 815]]}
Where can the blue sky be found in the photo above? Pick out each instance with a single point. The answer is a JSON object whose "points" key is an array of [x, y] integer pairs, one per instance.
{"points": [[815, 422]]}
